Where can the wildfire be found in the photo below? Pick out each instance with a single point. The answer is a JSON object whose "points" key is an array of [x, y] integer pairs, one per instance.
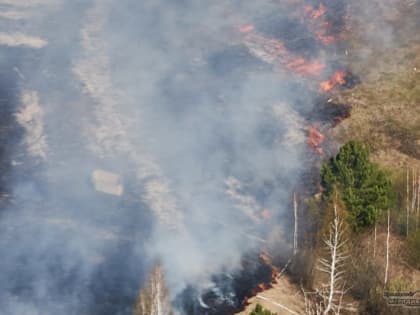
{"points": [[274, 52], [246, 28], [320, 27], [301, 66], [315, 140], [265, 214], [274, 270], [264, 46], [322, 34], [274, 275], [262, 286], [315, 13], [338, 78]]}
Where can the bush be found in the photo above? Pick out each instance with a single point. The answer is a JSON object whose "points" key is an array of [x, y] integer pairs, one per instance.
{"points": [[259, 310], [364, 188]]}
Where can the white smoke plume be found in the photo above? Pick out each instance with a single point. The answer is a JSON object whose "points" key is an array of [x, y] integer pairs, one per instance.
{"points": [[141, 131]]}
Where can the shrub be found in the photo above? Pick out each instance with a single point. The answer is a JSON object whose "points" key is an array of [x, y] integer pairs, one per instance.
{"points": [[259, 310]]}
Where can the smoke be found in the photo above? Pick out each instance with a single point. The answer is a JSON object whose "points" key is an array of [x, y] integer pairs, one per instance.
{"points": [[185, 127], [195, 134]]}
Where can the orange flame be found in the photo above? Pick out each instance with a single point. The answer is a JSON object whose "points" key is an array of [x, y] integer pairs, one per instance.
{"points": [[270, 46], [315, 13], [320, 28], [262, 286], [338, 78], [322, 34], [246, 28], [301, 66], [315, 139], [274, 270], [273, 51], [274, 275]]}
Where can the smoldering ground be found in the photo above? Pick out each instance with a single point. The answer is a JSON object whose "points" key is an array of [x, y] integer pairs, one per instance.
{"points": [[203, 134]]}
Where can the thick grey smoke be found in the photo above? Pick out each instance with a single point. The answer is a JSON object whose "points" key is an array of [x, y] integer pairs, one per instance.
{"points": [[197, 137], [184, 131], [188, 126]]}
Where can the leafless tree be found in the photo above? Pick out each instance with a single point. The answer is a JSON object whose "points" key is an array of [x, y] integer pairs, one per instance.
{"points": [[313, 303], [418, 199], [333, 265], [328, 298], [154, 298]]}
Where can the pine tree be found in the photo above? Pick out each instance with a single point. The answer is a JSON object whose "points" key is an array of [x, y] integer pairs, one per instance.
{"points": [[259, 310], [365, 189]]}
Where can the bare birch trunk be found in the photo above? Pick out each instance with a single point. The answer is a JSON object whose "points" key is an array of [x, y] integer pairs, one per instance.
{"points": [[387, 251], [295, 233], [418, 199], [374, 241], [334, 266], [408, 202], [333, 248], [413, 192]]}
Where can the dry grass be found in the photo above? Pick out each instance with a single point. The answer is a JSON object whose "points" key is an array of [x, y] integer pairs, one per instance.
{"points": [[399, 269], [386, 110], [283, 292]]}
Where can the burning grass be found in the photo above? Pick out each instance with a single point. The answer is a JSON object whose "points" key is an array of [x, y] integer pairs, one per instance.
{"points": [[315, 140], [385, 106], [385, 112]]}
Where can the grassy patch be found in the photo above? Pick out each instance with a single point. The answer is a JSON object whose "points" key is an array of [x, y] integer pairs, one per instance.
{"points": [[413, 249]]}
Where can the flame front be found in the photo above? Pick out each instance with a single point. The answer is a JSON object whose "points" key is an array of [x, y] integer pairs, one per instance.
{"points": [[318, 24], [308, 68], [315, 13], [338, 78], [315, 140], [322, 33], [246, 28], [274, 52]]}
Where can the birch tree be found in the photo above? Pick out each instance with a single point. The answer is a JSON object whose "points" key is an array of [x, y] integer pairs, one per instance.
{"points": [[328, 298], [333, 265], [313, 303], [408, 202], [414, 194], [154, 298], [295, 233], [412, 198], [387, 251], [374, 240], [418, 199]]}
